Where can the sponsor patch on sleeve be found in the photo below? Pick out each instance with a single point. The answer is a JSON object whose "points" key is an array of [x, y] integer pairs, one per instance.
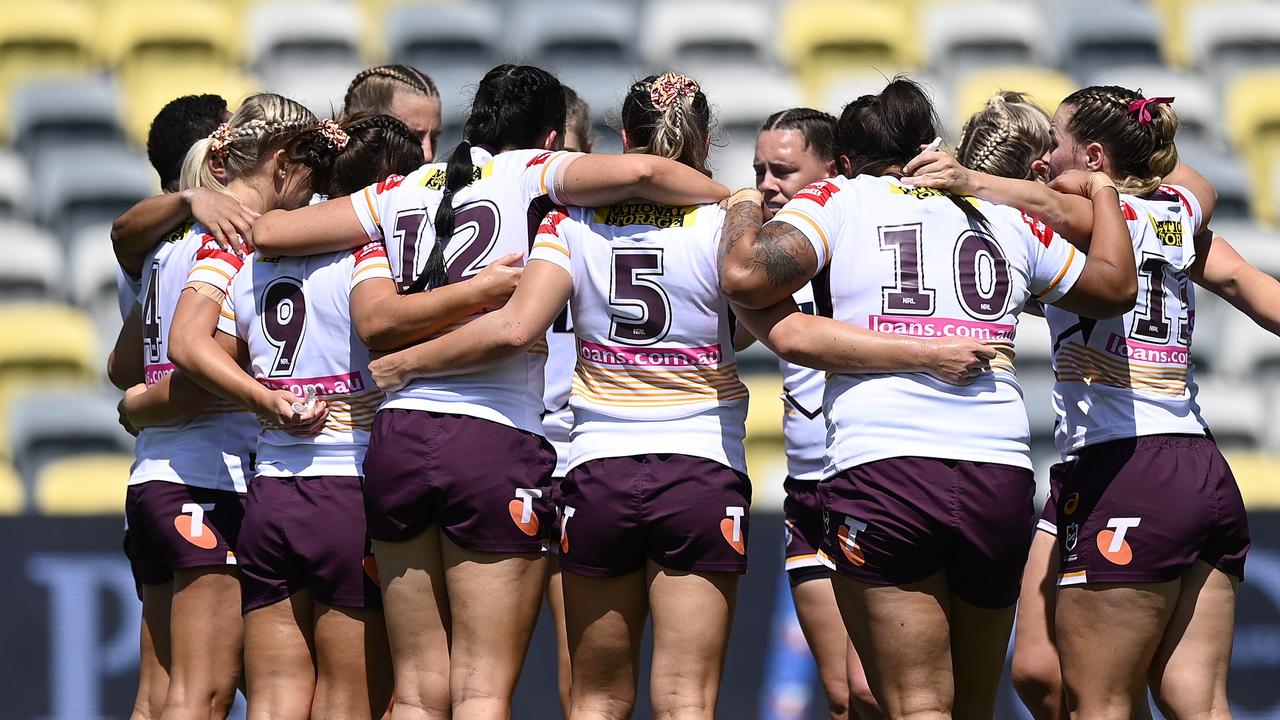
{"points": [[1042, 232], [819, 192]]}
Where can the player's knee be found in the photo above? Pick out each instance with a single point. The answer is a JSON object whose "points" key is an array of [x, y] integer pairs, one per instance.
{"points": [[604, 706], [683, 701]]}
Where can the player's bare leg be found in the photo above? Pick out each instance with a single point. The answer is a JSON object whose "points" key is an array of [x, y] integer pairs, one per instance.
{"points": [[153, 669], [903, 636], [979, 640], [1036, 674], [692, 615], [494, 600], [605, 619], [207, 637], [417, 618], [1188, 676], [280, 678], [353, 664], [555, 604], [819, 616], [862, 702], [1107, 637]]}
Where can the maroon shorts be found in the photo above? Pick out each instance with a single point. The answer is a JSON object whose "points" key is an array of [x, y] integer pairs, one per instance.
{"points": [[306, 533], [553, 532], [802, 510], [901, 520], [1049, 513], [1145, 509], [488, 486], [682, 512], [176, 527]]}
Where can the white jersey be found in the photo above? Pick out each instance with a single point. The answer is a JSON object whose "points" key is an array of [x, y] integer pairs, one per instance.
{"points": [[907, 261], [214, 449], [656, 372], [496, 214], [1131, 376], [294, 315], [804, 430], [557, 418]]}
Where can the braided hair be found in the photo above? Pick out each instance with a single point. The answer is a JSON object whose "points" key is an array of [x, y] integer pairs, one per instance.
{"points": [[355, 151], [668, 115], [262, 125], [515, 106], [1141, 153], [877, 133], [372, 89], [816, 127], [1005, 137]]}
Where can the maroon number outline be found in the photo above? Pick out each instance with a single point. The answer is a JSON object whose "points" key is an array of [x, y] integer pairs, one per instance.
{"points": [[408, 236], [1151, 321], [905, 295], [969, 291], [478, 218], [151, 340], [288, 346], [630, 286]]}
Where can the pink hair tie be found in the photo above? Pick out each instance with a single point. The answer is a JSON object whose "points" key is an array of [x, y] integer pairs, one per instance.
{"points": [[670, 87], [221, 140], [334, 136], [1142, 106]]}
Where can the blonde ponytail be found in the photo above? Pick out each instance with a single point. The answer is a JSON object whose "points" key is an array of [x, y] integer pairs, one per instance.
{"points": [[668, 115], [263, 124], [1005, 137]]}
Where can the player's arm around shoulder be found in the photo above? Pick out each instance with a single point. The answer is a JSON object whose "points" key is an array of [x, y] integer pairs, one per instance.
{"points": [[761, 265]]}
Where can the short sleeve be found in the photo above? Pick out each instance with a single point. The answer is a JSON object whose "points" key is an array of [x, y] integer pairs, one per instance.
{"points": [[370, 262], [550, 243], [227, 315], [1190, 204], [1056, 264], [371, 205], [540, 172], [214, 266], [814, 212]]}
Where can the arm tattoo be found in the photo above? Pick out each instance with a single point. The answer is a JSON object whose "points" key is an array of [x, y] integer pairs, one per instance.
{"points": [[778, 251], [742, 223]]}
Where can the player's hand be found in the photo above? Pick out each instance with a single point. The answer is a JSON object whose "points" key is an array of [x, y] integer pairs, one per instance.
{"points": [[275, 409], [225, 218], [122, 409], [495, 283], [388, 372], [958, 361], [939, 170]]}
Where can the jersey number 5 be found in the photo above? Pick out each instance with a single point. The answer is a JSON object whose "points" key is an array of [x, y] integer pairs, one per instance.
{"points": [[633, 286]]}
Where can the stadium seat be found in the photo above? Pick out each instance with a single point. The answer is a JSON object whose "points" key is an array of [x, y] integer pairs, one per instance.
{"points": [[47, 37], [735, 94], [1200, 114], [431, 37], [1234, 410], [80, 186], [1221, 167], [1173, 28], [13, 496], [597, 32], [1047, 87], [1256, 473], [1037, 380], [842, 90], [1253, 124], [821, 39], [45, 344], [297, 35], [678, 33], [322, 87], [15, 186], [92, 271], [33, 266], [1100, 34], [89, 484], [140, 35], [1225, 38], [966, 36], [45, 425], [64, 111], [146, 93]]}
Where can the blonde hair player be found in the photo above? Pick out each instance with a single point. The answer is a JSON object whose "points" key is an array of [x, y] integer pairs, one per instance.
{"points": [[1173, 601], [457, 476], [403, 92], [192, 463], [797, 147], [929, 486]]}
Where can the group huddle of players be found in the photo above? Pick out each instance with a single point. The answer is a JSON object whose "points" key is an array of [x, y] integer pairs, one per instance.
{"points": [[386, 399]]}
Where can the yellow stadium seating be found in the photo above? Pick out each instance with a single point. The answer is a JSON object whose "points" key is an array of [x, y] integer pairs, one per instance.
{"points": [[1047, 87], [823, 39], [1257, 472], [83, 485], [1253, 124], [145, 93], [45, 344], [12, 496], [163, 33], [42, 38], [1173, 39]]}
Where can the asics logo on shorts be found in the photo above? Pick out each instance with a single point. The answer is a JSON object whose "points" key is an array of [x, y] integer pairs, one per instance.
{"points": [[1073, 501], [1111, 542], [731, 528], [521, 509], [190, 525], [848, 536]]}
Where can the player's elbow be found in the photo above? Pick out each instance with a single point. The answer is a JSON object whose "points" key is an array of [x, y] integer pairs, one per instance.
{"points": [[741, 287], [116, 373], [377, 333], [183, 348], [787, 341]]}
